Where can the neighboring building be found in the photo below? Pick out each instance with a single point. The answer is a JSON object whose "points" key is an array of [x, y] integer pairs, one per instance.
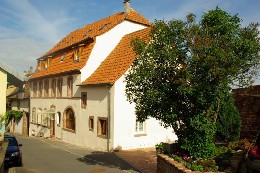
{"points": [[78, 89], [247, 101], [11, 82], [20, 102], [3, 86]]}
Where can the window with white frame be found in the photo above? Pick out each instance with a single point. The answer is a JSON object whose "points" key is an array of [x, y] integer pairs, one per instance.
{"points": [[39, 116], [34, 115], [46, 88], [140, 127], [59, 88], [45, 118], [53, 88], [58, 118], [69, 86], [40, 88]]}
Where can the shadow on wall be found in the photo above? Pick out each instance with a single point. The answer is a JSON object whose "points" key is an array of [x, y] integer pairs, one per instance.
{"points": [[107, 159], [41, 132]]}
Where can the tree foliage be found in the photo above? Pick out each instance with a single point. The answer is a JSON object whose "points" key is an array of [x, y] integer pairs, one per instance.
{"points": [[183, 74], [229, 121]]}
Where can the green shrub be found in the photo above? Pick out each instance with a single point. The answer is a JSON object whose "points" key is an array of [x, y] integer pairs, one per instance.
{"points": [[199, 141], [12, 113], [229, 121]]}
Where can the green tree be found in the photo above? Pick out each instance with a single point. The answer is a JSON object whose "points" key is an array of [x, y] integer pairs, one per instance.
{"points": [[229, 121], [181, 76]]}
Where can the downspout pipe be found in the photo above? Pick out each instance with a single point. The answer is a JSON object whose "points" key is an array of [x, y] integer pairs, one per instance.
{"points": [[108, 117]]}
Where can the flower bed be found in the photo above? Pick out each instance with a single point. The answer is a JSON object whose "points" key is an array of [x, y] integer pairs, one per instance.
{"points": [[166, 164]]}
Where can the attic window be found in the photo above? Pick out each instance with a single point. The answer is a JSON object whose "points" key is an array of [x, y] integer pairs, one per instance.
{"points": [[87, 32], [76, 55], [62, 57], [105, 25]]}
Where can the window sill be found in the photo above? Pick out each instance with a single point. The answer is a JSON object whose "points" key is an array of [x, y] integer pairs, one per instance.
{"points": [[69, 130], [139, 135], [102, 136]]}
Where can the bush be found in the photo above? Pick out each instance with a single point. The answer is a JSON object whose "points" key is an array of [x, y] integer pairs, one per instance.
{"points": [[12, 113], [228, 122], [200, 141]]}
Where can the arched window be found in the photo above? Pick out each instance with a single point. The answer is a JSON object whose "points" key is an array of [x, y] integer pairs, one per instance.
{"points": [[69, 119], [34, 115]]}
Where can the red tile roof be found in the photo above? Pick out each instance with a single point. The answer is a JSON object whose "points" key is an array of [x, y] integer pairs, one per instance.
{"points": [[98, 28], [118, 62], [58, 66], [85, 34]]}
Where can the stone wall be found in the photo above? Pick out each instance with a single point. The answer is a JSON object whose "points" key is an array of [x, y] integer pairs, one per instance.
{"points": [[247, 101], [165, 164]]}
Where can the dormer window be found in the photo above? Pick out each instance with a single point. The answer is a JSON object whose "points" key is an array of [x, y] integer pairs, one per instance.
{"points": [[76, 55], [62, 57], [103, 26], [87, 32]]}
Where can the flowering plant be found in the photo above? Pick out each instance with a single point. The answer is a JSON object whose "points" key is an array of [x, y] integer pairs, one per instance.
{"points": [[195, 164]]}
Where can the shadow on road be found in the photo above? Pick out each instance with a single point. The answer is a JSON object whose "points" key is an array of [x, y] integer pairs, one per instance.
{"points": [[106, 159]]}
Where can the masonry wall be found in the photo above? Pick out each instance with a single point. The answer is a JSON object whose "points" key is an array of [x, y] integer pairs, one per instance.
{"points": [[247, 101]]}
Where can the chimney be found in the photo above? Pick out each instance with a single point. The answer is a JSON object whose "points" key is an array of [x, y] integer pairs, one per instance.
{"points": [[127, 6]]}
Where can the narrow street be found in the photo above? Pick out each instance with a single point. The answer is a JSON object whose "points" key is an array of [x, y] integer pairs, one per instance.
{"points": [[51, 156]]}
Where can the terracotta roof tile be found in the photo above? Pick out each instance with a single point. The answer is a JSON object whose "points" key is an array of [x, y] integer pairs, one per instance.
{"points": [[98, 28], [84, 34], [118, 62], [58, 66]]}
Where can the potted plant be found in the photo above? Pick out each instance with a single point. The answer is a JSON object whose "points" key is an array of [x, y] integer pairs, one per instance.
{"points": [[159, 147]]}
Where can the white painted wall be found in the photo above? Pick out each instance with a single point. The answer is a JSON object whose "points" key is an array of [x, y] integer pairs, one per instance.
{"points": [[124, 124], [3, 87], [105, 44]]}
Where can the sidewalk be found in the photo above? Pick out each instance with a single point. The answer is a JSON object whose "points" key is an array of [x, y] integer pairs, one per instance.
{"points": [[143, 159]]}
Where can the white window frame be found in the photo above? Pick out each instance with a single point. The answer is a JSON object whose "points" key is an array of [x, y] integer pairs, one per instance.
{"points": [[138, 129]]}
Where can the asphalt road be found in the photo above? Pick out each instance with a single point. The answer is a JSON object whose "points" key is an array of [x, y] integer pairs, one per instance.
{"points": [[51, 156]]}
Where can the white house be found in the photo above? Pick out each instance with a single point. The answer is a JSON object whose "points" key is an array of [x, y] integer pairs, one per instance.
{"points": [[78, 89]]}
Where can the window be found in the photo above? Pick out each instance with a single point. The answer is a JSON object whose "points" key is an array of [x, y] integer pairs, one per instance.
{"points": [[45, 118], [46, 88], [69, 119], [76, 55], [40, 89], [91, 123], [102, 127], [140, 127], [34, 116], [35, 89], [69, 86], [59, 87], [84, 100], [58, 118], [63, 57], [53, 88], [39, 116]]}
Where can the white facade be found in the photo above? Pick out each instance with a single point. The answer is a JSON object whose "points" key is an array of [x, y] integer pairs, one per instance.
{"points": [[125, 134], [105, 43], [113, 117], [3, 86]]}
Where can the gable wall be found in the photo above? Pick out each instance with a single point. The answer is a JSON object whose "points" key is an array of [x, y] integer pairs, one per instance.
{"points": [[125, 136], [105, 44]]}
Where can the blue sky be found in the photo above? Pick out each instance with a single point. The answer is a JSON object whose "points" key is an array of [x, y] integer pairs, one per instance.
{"points": [[29, 28]]}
